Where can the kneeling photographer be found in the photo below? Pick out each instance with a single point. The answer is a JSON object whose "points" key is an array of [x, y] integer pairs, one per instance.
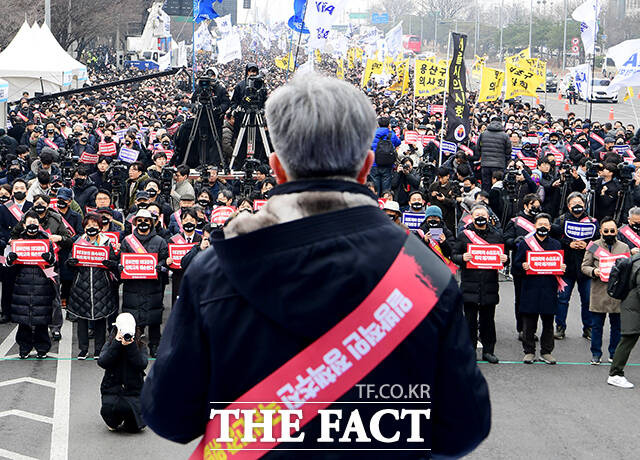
{"points": [[124, 360]]}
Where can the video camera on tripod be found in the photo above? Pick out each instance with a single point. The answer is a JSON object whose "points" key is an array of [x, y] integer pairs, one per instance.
{"points": [[117, 176], [254, 94]]}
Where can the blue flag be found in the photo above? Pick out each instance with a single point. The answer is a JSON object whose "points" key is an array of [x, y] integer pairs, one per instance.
{"points": [[203, 9], [296, 22]]}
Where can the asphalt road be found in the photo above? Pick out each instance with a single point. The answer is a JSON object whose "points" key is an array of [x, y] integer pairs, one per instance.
{"points": [[50, 409], [622, 111]]}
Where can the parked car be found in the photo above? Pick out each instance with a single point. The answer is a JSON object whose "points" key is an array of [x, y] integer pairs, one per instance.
{"points": [[552, 83]]}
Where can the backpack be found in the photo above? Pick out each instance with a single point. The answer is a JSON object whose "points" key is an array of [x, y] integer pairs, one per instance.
{"points": [[385, 152], [621, 277]]}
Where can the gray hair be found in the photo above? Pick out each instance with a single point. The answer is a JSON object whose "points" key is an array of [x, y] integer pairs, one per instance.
{"points": [[573, 195], [635, 211], [320, 126]]}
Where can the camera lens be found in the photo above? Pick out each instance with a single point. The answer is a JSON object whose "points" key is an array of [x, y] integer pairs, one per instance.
{"points": [[127, 337]]}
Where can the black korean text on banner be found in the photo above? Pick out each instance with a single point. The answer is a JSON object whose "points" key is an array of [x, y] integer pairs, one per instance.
{"points": [[139, 266], [89, 256], [177, 252], [29, 251], [458, 125]]}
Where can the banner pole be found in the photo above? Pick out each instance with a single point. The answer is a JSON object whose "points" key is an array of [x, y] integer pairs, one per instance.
{"points": [[444, 102]]}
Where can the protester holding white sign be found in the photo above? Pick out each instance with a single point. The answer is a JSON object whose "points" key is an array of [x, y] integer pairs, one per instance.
{"points": [[597, 263]]}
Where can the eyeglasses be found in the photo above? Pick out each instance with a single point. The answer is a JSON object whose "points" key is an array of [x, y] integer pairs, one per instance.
{"points": [[608, 232]]}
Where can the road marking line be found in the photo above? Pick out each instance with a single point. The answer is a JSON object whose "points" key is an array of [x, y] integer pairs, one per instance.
{"points": [[61, 404], [8, 342], [25, 414], [44, 383], [14, 455]]}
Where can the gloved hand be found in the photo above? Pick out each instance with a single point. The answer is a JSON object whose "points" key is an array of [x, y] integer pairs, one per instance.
{"points": [[48, 257], [110, 264], [11, 258], [72, 261], [161, 269]]}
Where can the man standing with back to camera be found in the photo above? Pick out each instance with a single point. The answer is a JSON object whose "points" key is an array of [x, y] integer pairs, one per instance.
{"points": [[280, 279]]}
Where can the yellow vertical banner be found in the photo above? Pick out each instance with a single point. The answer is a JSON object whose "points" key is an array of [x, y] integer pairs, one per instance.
{"points": [[340, 71], [318, 56], [430, 78], [520, 82], [490, 84], [351, 58], [516, 58], [373, 68]]}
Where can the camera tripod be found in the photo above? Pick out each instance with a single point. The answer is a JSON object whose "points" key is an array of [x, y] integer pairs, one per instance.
{"points": [[253, 120], [203, 136]]}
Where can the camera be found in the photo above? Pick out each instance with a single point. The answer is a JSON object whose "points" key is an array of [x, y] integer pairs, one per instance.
{"points": [[254, 94], [127, 337], [593, 167], [204, 89], [625, 171], [166, 180]]}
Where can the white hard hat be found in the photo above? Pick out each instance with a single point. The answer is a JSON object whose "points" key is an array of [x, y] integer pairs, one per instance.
{"points": [[126, 324], [391, 205]]}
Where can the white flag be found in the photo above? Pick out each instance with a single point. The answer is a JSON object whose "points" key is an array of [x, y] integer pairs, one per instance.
{"points": [[320, 17], [581, 77], [203, 39], [587, 15], [394, 40], [229, 48], [627, 59], [224, 24]]}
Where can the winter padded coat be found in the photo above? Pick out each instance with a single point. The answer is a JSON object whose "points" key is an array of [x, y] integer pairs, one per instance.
{"points": [[143, 298], [478, 286], [34, 294], [92, 292], [495, 146]]}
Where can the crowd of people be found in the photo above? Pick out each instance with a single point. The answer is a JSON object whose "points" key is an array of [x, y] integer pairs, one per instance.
{"points": [[110, 169]]}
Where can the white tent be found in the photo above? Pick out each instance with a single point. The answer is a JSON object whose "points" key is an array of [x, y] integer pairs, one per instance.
{"points": [[35, 62]]}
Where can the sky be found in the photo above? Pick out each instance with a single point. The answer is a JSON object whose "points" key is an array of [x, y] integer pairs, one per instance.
{"points": [[281, 10]]}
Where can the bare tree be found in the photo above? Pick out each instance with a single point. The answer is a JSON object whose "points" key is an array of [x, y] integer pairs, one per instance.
{"points": [[447, 9]]}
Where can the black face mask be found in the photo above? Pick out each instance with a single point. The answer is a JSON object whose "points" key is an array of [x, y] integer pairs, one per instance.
{"points": [[83, 139], [609, 239], [204, 203], [19, 195], [480, 221], [534, 211], [92, 231], [189, 227], [542, 231], [143, 227], [62, 204], [128, 143], [32, 228], [416, 206], [201, 224], [577, 210], [4, 199], [635, 227], [554, 142], [152, 193], [50, 131], [165, 145], [433, 223], [80, 181], [105, 221], [143, 205], [467, 188], [39, 209], [221, 203], [107, 139]]}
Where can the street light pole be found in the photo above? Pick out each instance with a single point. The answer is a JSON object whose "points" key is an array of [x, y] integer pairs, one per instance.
{"points": [[435, 33], [477, 30], [530, 22], [501, 7], [564, 39], [47, 13]]}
